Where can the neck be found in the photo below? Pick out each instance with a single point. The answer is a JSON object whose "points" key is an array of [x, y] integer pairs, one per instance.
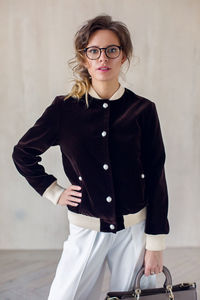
{"points": [[105, 89]]}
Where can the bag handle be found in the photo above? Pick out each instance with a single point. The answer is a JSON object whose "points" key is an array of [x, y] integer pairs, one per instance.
{"points": [[168, 279]]}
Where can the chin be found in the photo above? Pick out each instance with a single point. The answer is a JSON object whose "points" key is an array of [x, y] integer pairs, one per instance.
{"points": [[104, 77]]}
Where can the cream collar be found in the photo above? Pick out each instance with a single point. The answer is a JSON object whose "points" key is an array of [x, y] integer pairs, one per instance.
{"points": [[115, 96]]}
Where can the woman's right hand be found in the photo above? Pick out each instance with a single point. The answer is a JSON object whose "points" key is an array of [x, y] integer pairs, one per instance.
{"points": [[66, 198]]}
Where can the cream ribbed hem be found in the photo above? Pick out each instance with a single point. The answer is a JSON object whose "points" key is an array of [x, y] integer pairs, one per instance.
{"points": [[53, 192], [84, 221], [155, 242], [93, 223], [135, 218]]}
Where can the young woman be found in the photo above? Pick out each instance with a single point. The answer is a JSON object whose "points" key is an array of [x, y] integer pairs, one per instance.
{"points": [[113, 155]]}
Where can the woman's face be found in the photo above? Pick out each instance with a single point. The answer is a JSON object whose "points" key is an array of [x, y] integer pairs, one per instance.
{"points": [[104, 38]]}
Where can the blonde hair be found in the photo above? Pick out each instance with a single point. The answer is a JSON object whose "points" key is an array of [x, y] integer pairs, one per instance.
{"points": [[81, 39]]}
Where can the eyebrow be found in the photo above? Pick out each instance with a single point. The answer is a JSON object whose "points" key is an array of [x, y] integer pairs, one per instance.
{"points": [[102, 47]]}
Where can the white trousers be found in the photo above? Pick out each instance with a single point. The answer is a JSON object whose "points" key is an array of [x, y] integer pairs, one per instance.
{"points": [[80, 271]]}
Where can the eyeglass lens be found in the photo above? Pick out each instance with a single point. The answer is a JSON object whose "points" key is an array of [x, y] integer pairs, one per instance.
{"points": [[111, 52]]}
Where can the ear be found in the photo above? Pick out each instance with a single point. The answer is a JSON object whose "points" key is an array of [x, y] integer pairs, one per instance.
{"points": [[124, 58], [85, 63]]}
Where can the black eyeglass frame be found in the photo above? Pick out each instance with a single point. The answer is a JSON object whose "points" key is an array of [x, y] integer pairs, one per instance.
{"points": [[119, 47]]}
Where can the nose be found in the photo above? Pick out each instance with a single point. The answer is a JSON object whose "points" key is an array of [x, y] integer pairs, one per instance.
{"points": [[103, 55]]}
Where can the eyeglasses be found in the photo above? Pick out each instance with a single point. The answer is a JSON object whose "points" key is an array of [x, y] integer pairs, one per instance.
{"points": [[112, 51]]}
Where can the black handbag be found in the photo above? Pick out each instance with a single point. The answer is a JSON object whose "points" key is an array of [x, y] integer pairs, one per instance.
{"points": [[182, 291]]}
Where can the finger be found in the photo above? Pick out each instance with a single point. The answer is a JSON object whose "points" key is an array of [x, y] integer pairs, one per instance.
{"points": [[71, 203], [75, 187], [76, 193], [153, 273], [67, 202], [160, 269], [74, 199], [147, 271]]}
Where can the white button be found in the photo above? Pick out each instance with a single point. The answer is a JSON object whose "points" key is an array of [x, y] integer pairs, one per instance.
{"points": [[105, 105], [108, 199], [103, 133], [80, 178], [112, 226], [142, 175], [105, 166]]}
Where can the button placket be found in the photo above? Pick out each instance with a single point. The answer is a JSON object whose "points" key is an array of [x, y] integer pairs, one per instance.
{"points": [[105, 133], [105, 166]]}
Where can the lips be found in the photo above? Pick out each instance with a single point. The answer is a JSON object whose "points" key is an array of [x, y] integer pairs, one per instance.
{"points": [[104, 68]]}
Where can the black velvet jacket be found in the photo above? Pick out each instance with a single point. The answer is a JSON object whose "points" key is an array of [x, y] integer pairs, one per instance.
{"points": [[125, 163]]}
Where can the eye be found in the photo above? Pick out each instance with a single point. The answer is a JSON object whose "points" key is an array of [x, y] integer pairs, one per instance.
{"points": [[93, 50], [112, 49]]}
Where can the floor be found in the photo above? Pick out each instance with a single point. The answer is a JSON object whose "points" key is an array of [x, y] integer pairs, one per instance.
{"points": [[27, 275]]}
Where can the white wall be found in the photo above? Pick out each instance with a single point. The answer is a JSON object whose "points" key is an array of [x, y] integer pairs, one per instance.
{"points": [[36, 39]]}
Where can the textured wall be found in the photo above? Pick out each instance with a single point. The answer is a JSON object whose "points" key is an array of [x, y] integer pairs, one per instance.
{"points": [[36, 42]]}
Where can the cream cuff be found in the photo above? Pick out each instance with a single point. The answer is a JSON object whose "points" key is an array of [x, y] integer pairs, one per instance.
{"points": [[155, 242], [53, 192]]}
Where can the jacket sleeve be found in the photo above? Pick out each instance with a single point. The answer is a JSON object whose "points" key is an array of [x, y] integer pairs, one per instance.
{"points": [[26, 153], [156, 193]]}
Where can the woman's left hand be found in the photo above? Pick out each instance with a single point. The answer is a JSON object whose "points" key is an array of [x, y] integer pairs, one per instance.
{"points": [[153, 262]]}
